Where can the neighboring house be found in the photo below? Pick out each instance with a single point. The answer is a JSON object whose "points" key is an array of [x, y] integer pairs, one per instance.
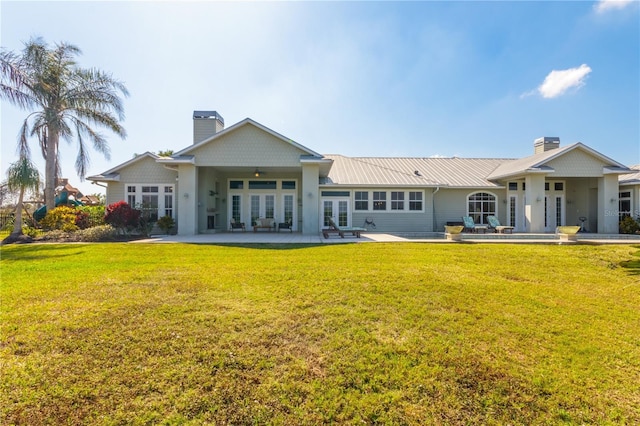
{"points": [[248, 171]]}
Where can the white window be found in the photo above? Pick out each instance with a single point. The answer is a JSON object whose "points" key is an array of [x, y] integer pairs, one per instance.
{"points": [[624, 204], [480, 205], [415, 200], [379, 200], [362, 200], [154, 200], [397, 200]]}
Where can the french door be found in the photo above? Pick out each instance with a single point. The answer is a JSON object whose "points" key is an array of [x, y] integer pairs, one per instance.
{"points": [[336, 208], [262, 206]]}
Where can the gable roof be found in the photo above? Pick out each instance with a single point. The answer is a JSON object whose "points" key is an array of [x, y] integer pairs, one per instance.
{"points": [[630, 178], [113, 175], [536, 162], [429, 172], [246, 121]]}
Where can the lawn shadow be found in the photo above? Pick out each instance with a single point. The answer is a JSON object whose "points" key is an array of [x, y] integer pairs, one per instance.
{"points": [[264, 246], [633, 266], [37, 251]]}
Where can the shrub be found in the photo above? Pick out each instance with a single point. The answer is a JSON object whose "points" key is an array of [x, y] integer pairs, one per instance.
{"points": [[629, 225], [82, 219], [62, 218], [121, 216], [94, 215], [165, 223], [96, 234]]}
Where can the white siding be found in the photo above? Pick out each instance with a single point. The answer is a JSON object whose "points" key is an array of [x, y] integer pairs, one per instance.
{"points": [[576, 163], [143, 171], [248, 146]]}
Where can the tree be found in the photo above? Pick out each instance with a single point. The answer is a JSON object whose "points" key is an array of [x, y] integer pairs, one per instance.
{"points": [[21, 176], [167, 153], [64, 100]]}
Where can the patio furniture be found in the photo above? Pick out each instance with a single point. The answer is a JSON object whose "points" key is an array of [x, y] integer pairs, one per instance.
{"points": [[335, 229], [469, 224], [285, 225], [237, 225], [494, 224], [262, 223]]}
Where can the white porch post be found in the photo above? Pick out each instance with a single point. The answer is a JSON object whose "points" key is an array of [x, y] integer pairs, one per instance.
{"points": [[534, 203], [187, 198], [608, 204], [310, 199]]}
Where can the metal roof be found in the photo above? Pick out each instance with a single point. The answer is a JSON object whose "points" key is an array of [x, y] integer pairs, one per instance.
{"points": [[630, 178], [373, 171]]}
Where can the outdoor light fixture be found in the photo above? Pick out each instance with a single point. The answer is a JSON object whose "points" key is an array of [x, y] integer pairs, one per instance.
{"points": [[257, 173]]}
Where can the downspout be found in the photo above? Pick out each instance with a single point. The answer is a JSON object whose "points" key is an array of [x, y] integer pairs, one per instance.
{"points": [[433, 207]]}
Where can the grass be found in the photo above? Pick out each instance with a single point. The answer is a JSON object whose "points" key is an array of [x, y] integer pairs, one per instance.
{"points": [[114, 334]]}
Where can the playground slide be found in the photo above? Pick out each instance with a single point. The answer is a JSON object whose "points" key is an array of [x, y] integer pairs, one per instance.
{"points": [[61, 199]]}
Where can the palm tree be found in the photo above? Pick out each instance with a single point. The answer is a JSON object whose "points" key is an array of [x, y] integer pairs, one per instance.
{"points": [[65, 100], [21, 176]]}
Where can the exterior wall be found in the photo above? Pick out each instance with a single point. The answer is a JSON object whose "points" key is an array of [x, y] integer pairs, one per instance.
{"points": [[576, 163], [248, 146], [608, 204], [310, 199], [187, 200], [534, 205], [143, 171], [391, 220], [204, 128], [450, 205]]}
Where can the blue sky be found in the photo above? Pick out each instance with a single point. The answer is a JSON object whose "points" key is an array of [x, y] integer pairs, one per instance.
{"points": [[470, 79]]}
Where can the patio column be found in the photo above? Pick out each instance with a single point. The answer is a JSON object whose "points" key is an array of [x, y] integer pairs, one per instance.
{"points": [[608, 204], [534, 203], [187, 200], [310, 199]]}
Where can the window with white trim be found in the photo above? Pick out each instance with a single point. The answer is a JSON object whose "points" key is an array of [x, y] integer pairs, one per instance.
{"points": [[153, 200], [361, 200], [480, 205], [397, 200], [379, 200], [415, 200], [624, 204]]}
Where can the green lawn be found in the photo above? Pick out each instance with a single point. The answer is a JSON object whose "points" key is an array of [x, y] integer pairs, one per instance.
{"points": [[113, 334]]}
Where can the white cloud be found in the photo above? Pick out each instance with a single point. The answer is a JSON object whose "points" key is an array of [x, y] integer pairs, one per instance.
{"points": [[606, 5], [559, 81]]}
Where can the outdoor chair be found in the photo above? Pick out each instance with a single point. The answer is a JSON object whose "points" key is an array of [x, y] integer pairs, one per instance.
{"points": [[335, 229], [469, 224], [494, 224], [237, 225], [285, 225]]}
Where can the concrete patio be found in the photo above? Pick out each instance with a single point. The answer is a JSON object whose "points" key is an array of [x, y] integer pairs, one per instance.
{"points": [[372, 237]]}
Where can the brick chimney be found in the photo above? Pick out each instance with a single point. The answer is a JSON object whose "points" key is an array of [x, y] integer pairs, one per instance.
{"points": [[206, 124], [545, 144]]}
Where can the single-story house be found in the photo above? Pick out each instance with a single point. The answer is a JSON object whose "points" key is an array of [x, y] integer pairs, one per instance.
{"points": [[248, 171]]}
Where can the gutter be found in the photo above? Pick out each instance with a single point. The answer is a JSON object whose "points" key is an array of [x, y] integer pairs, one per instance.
{"points": [[433, 207]]}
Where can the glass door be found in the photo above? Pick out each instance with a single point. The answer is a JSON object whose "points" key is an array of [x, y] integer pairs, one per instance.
{"points": [[262, 206], [335, 208]]}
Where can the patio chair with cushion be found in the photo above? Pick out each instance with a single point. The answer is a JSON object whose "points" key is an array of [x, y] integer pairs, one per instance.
{"points": [[237, 225], [469, 224], [494, 224], [341, 230]]}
